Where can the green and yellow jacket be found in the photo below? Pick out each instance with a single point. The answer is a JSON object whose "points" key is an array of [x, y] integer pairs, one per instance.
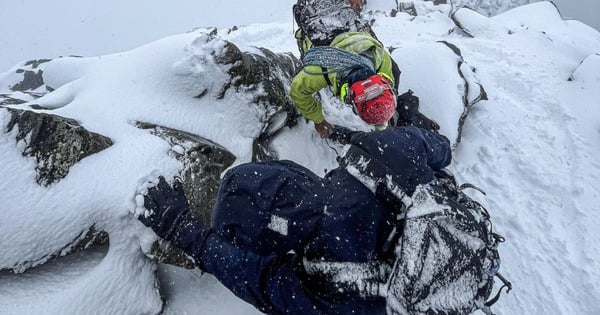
{"points": [[311, 80]]}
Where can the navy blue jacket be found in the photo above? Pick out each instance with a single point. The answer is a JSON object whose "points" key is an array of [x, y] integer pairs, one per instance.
{"points": [[272, 217]]}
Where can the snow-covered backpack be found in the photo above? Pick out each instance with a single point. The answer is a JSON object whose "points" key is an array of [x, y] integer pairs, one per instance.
{"points": [[322, 20], [447, 256]]}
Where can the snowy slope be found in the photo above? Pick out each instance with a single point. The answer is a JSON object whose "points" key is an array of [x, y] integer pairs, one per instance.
{"points": [[532, 146]]}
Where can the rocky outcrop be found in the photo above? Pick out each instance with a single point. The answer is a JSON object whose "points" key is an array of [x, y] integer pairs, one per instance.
{"points": [[56, 143], [267, 76], [28, 81], [203, 162], [486, 7]]}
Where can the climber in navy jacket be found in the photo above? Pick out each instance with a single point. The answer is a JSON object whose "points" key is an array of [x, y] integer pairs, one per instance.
{"points": [[285, 240]]}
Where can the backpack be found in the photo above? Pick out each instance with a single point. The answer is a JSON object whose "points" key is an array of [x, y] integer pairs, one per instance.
{"points": [[322, 20], [445, 252], [447, 256]]}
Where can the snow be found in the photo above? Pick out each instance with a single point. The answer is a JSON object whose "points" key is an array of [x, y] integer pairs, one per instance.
{"points": [[532, 146]]}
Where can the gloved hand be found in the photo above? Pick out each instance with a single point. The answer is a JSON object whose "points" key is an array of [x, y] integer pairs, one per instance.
{"points": [[341, 134], [409, 114], [324, 129], [166, 208]]}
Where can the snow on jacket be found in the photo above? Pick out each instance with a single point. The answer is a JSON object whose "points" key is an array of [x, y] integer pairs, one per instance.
{"points": [[274, 221], [306, 83]]}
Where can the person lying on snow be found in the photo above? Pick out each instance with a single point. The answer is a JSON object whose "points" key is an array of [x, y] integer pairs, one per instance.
{"points": [[290, 242], [339, 51]]}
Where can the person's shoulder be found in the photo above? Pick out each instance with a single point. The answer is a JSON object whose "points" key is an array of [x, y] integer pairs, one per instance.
{"points": [[354, 35], [353, 40], [310, 75]]}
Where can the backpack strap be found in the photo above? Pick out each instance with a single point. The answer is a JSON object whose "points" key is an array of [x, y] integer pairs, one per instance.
{"points": [[326, 76]]}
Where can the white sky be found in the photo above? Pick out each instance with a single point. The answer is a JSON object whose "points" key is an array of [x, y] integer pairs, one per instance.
{"points": [[47, 29], [34, 29], [587, 11]]}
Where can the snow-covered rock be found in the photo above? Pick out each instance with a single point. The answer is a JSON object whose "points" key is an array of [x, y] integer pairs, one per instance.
{"points": [[527, 80], [80, 136], [422, 7]]}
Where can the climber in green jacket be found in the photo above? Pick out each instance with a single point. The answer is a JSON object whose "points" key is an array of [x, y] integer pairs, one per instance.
{"points": [[338, 49], [369, 89]]}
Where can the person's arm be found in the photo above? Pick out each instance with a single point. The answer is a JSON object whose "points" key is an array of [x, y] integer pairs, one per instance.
{"points": [[304, 87], [437, 146], [385, 68], [270, 283]]}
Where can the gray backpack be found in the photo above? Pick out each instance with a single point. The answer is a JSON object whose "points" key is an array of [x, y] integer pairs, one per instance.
{"points": [[445, 250], [322, 20], [448, 256]]}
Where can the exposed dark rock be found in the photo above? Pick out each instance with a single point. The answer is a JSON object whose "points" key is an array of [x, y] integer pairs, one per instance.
{"points": [[35, 63], [6, 99], [33, 78], [57, 143], [31, 81], [407, 7], [203, 161], [28, 83]]}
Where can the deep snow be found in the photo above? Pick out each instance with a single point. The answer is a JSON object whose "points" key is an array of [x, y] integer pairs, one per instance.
{"points": [[532, 146]]}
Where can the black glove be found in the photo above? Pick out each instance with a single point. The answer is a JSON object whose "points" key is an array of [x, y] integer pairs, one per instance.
{"points": [[409, 114], [341, 134], [167, 208]]}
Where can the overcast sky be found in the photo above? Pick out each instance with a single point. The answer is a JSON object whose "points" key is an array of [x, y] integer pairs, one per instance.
{"points": [[46, 29], [587, 11]]}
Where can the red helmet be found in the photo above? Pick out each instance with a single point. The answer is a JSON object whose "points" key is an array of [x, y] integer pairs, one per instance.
{"points": [[373, 99]]}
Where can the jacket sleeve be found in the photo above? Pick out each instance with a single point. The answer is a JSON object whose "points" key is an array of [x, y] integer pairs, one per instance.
{"points": [[385, 66], [304, 86], [269, 282], [437, 147]]}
